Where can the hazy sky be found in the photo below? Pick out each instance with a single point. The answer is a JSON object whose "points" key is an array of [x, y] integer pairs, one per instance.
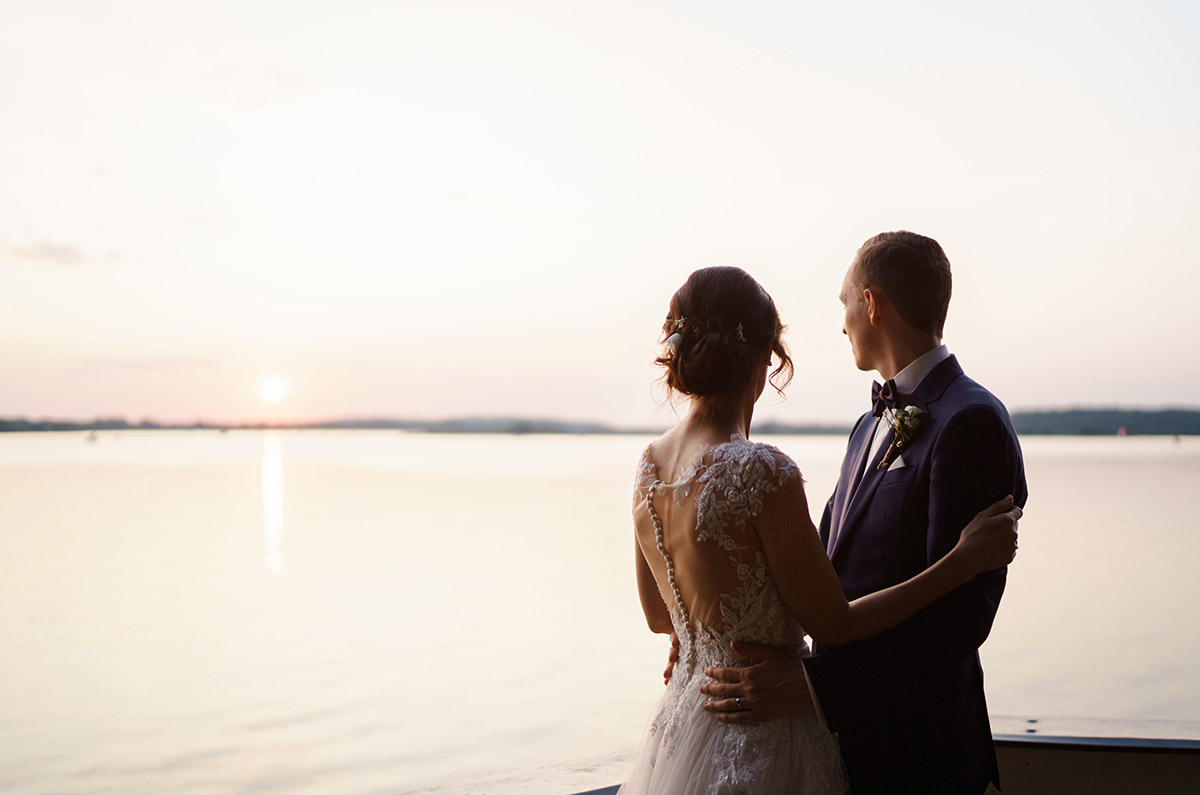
{"points": [[427, 209]]}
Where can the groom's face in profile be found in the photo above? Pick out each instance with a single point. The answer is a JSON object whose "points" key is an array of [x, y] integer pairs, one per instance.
{"points": [[856, 324]]}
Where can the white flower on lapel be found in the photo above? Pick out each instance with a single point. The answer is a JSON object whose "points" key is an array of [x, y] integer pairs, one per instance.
{"points": [[906, 423]]}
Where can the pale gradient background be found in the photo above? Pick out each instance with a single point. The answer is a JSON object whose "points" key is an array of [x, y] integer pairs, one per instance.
{"points": [[424, 209]]}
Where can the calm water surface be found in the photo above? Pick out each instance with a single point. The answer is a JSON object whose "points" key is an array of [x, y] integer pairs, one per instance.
{"points": [[369, 612]]}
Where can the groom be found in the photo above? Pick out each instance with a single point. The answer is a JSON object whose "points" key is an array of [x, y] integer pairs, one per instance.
{"points": [[907, 705]]}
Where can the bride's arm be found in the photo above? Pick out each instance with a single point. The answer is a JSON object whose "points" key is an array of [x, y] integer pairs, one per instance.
{"points": [[810, 588], [657, 617]]}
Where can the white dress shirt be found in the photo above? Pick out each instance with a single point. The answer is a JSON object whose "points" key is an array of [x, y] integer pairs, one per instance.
{"points": [[907, 381]]}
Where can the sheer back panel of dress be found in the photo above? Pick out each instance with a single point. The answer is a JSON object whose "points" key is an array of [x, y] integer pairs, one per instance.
{"points": [[706, 514]]}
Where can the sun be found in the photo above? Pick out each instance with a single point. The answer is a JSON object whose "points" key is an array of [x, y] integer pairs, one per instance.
{"points": [[273, 390]]}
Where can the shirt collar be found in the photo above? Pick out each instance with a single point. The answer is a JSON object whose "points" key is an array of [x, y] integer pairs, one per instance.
{"points": [[908, 379]]}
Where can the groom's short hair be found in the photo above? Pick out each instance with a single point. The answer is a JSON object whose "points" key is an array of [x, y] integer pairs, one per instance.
{"points": [[913, 271]]}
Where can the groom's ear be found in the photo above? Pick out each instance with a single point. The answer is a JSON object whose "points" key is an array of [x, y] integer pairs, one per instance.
{"points": [[871, 299]]}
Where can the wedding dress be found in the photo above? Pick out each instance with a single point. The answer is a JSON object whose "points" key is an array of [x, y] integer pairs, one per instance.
{"points": [[697, 536]]}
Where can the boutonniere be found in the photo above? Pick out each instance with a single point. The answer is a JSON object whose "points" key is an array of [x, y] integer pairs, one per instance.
{"points": [[906, 423]]}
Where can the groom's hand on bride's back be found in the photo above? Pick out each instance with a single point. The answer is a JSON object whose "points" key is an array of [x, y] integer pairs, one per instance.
{"points": [[772, 687]]}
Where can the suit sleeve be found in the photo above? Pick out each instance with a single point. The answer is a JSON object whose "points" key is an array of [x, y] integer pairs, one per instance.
{"points": [[975, 461]]}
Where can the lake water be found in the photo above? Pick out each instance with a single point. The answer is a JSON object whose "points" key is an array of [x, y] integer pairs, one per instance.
{"points": [[370, 612]]}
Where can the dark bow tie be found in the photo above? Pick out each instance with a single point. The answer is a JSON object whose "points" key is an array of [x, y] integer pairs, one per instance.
{"points": [[883, 397]]}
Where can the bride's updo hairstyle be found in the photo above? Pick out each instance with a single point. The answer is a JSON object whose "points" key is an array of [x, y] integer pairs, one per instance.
{"points": [[720, 326]]}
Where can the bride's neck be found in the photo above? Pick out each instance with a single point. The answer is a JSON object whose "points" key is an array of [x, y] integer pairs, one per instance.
{"points": [[721, 420]]}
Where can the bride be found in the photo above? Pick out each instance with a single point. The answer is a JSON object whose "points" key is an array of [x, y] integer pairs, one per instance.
{"points": [[726, 552]]}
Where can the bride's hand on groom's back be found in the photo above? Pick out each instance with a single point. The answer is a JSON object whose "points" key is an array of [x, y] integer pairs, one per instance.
{"points": [[770, 688], [989, 542]]}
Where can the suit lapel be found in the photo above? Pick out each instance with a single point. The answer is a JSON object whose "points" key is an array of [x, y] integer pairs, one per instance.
{"points": [[852, 468], [927, 393], [862, 494]]}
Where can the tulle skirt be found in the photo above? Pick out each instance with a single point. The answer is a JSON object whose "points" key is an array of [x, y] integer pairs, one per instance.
{"points": [[687, 751]]}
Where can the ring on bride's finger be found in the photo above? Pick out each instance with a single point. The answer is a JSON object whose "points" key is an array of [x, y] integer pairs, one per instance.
{"points": [[738, 702]]}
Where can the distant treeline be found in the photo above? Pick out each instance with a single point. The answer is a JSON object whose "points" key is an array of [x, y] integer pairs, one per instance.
{"points": [[459, 425], [1068, 422], [1106, 422], [1071, 422], [22, 424], [468, 425], [772, 428]]}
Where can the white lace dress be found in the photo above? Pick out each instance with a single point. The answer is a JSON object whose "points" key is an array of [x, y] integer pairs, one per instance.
{"points": [[711, 571]]}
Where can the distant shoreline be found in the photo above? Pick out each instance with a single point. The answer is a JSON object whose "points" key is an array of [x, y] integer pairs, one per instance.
{"points": [[1065, 422]]}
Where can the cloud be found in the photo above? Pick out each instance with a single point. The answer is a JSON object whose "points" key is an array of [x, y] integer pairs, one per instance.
{"points": [[63, 255]]}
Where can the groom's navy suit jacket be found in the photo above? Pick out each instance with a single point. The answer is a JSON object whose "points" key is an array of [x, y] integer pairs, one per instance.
{"points": [[908, 705]]}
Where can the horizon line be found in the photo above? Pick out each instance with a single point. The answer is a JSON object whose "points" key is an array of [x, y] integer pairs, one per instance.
{"points": [[483, 423]]}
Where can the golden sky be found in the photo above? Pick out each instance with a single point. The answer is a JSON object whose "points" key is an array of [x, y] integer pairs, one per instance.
{"points": [[425, 209]]}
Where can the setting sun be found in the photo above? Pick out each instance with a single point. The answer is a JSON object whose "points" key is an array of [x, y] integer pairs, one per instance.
{"points": [[272, 390]]}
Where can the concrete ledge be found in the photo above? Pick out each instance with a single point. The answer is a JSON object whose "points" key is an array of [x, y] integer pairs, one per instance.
{"points": [[1097, 756], [1031, 768], [599, 775]]}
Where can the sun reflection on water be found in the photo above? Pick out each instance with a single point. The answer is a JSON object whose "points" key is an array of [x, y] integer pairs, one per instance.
{"points": [[272, 500]]}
